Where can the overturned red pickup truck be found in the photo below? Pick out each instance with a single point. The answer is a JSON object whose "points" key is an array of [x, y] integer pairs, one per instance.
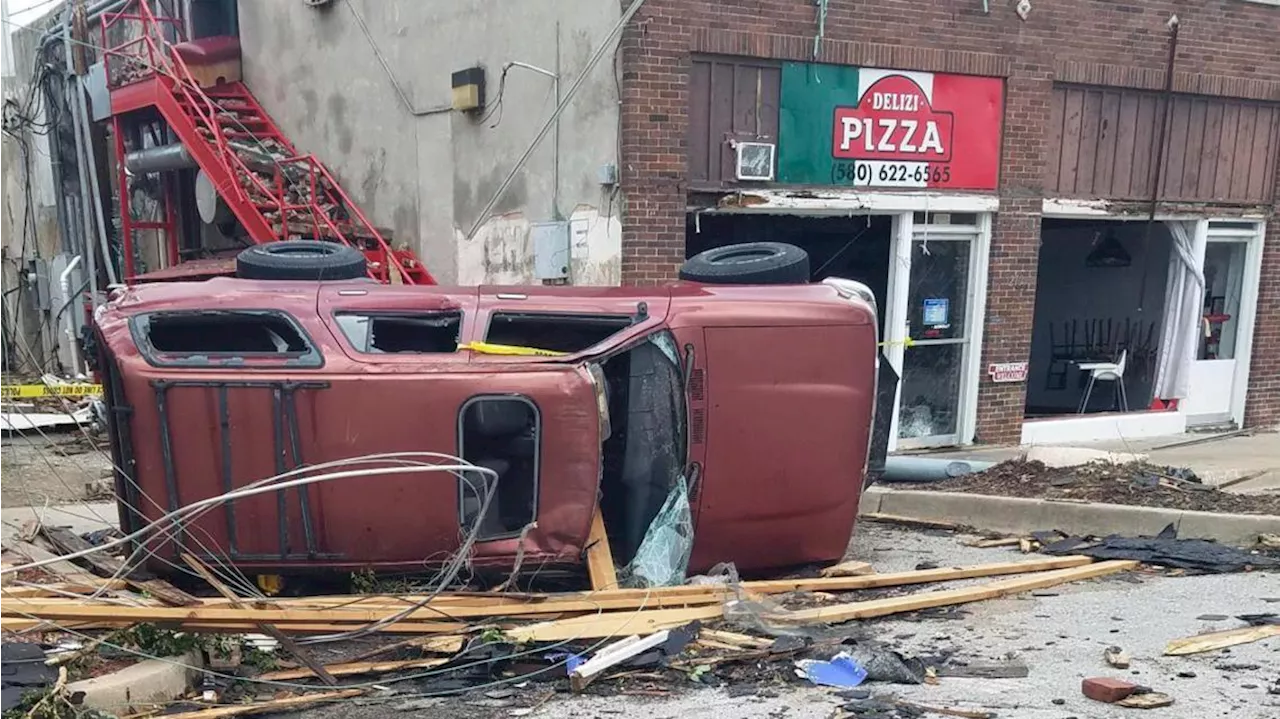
{"points": [[760, 395]]}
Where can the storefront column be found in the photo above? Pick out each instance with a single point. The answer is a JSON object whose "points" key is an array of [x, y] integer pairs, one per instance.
{"points": [[1015, 250], [1262, 404]]}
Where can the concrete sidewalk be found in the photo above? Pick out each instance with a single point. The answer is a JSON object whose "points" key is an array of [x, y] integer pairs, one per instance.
{"points": [[1246, 463]]}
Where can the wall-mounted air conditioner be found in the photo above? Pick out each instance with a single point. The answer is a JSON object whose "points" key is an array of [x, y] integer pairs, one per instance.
{"points": [[755, 160]]}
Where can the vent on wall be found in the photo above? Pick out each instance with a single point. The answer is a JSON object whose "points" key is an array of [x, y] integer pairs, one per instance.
{"points": [[698, 426], [755, 160]]}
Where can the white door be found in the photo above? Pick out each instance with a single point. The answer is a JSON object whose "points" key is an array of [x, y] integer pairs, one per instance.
{"points": [[938, 287], [1219, 376]]}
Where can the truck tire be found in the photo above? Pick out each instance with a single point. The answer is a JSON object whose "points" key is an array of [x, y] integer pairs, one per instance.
{"points": [[301, 260], [751, 263]]}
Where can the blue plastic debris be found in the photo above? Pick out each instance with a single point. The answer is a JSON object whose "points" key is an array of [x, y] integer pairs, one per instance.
{"points": [[841, 671], [571, 661]]}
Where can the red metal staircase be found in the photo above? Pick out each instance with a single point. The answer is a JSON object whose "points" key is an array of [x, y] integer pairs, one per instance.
{"points": [[274, 191]]}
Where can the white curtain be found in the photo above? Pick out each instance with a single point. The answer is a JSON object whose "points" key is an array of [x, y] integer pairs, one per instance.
{"points": [[1183, 310]]}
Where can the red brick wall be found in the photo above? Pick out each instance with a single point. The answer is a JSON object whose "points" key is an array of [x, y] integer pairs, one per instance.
{"points": [[1226, 47]]}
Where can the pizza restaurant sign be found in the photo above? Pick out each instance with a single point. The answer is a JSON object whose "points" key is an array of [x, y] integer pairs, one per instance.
{"points": [[883, 128]]}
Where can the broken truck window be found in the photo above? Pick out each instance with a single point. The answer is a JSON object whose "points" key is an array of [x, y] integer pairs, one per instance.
{"points": [[224, 333], [392, 333], [549, 331], [645, 454], [501, 434]]}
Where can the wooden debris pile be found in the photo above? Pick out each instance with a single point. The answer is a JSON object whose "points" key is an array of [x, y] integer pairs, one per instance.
{"points": [[604, 632]]}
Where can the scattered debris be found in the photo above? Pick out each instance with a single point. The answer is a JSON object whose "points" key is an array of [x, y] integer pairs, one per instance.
{"points": [[1150, 700], [840, 671], [1013, 668], [1220, 640], [996, 542], [24, 670], [1106, 689], [1166, 550], [1135, 483], [1116, 657], [911, 521], [612, 655], [848, 569]]}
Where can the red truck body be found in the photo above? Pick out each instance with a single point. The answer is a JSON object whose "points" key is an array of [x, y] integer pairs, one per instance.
{"points": [[763, 396]]}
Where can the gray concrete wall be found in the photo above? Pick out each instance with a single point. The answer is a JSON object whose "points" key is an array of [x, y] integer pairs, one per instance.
{"points": [[428, 177], [28, 223]]}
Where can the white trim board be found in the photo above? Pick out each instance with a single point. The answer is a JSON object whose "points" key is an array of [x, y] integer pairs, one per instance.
{"points": [[842, 202], [1067, 208]]}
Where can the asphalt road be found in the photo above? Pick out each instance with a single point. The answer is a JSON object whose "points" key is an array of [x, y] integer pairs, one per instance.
{"points": [[1060, 634]]}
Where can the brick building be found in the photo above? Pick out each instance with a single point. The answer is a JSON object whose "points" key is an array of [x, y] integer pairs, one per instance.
{"points": [[1013, 249]]}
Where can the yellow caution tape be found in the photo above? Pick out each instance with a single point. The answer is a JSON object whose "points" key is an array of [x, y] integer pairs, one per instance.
{"points": [[22, 391], [493, 349], [908, 342]]}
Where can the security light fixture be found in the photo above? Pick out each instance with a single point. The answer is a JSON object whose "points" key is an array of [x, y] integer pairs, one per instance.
{"points": [[468, 89]]}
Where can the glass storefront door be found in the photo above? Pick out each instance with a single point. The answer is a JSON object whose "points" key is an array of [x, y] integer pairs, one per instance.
{"points": [[937, 311]]}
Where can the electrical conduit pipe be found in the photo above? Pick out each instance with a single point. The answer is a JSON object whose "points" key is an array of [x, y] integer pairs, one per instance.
{"points": [[64, 283]]}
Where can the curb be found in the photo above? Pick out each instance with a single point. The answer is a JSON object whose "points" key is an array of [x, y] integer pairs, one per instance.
{"points": [[153, 681], [1017, 515]]}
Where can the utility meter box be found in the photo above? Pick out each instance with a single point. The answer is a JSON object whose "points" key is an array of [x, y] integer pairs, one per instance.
{"points": [[551, 250]]}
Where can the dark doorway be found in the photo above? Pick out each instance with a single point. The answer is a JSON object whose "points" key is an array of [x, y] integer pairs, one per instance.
{"points": [[1100, 297], [855, 248]]}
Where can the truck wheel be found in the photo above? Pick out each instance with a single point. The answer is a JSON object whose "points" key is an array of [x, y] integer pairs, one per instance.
{"points": [[301, 260], [751, 263]]}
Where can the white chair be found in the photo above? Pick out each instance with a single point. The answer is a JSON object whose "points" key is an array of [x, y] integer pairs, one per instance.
{"points": [[1106, 372]]}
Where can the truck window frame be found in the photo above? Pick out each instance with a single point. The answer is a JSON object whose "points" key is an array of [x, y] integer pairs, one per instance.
{"points": [[140, 328], [535, 505], [451, 314], [624, 322]]}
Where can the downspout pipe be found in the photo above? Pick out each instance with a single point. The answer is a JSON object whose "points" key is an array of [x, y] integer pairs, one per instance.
{"points": [[906, 469], [64, 283], [83, 243]]}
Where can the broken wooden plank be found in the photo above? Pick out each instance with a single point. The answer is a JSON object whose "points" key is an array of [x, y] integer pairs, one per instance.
{"points": [[63, 569], [352, 668], [62, 589], [990, 543], [910, 521], [1221, 640], [19, 623], [942, 598], [741, 641], [445, 644], [287, 643], [894, 579], [611, 656], [275, 705], [600, 567], [211, 615], [848, 569], [68, 542], [165, 592], [612, 624], [681, 595]]}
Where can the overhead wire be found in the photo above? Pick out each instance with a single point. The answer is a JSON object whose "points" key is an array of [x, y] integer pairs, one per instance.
{"points": [[225, 570], [307, 480]]}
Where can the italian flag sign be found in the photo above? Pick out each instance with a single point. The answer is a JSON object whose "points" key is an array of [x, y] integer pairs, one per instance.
{"points": [[866, 127]]}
